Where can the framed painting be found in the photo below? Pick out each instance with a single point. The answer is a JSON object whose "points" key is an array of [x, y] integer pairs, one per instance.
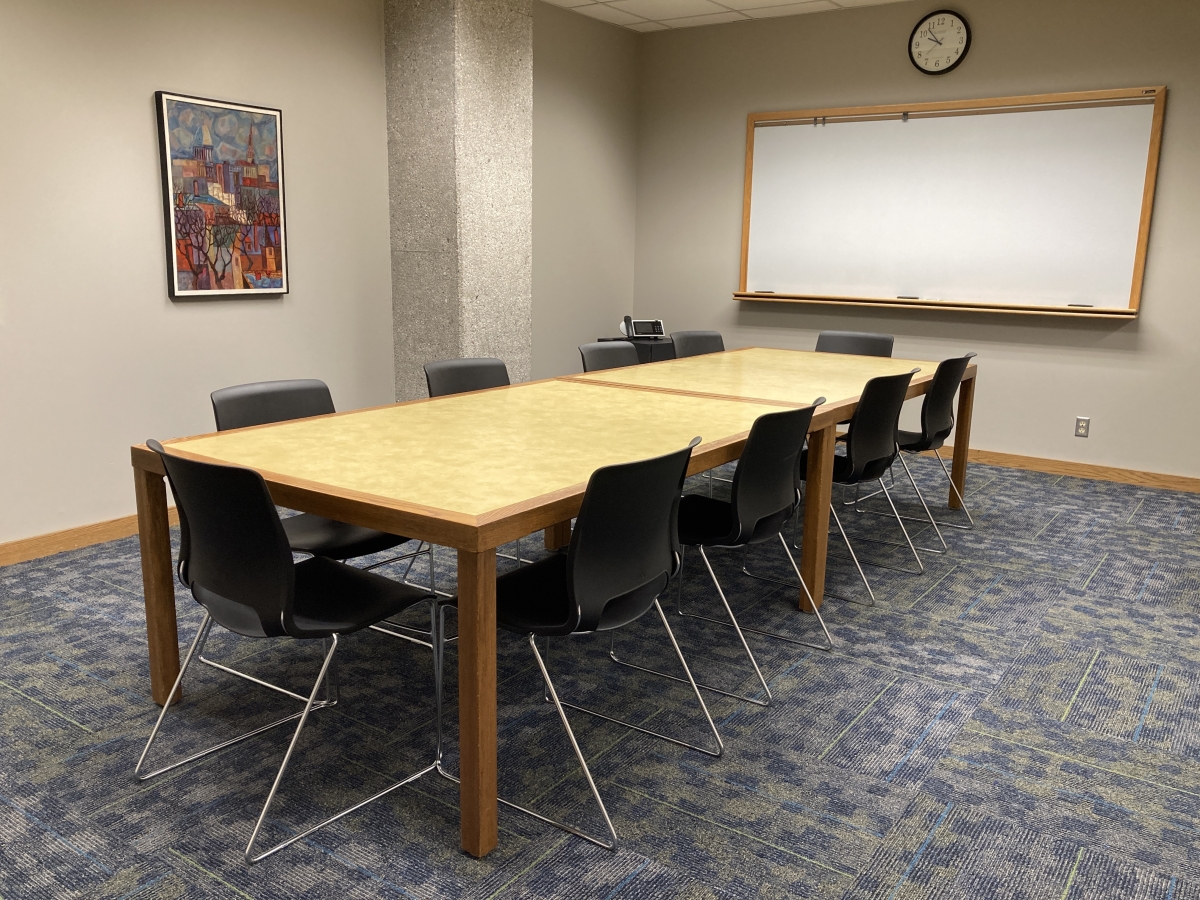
{"points": [[222, 172]]}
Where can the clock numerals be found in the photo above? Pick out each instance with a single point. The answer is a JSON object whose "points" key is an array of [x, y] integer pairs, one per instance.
{"points": [[939, 42]]}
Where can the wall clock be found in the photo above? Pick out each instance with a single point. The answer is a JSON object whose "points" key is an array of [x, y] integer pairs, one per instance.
{"points": [[939, 42]]}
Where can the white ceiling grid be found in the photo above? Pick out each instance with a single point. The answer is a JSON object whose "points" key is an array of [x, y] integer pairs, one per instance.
{"points": [[659, 15]]}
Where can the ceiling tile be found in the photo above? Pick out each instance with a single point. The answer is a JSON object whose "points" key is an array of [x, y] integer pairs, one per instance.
{"points": [[713, 19], [791, 9], [755, 4], [663, 15], [662, 10], [606, 13]]}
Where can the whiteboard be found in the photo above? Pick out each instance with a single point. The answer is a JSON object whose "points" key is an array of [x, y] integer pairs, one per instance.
{"points": [[1037, 206]]}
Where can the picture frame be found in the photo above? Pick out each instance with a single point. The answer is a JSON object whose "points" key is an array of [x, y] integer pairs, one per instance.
{"points": [[223, 198]]}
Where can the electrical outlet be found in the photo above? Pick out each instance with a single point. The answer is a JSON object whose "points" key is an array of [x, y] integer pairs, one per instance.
{"points": [[1082, 426]]}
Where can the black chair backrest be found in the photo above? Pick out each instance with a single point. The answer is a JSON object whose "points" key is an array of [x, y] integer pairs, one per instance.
{"points": [[239, 564], [694, 343], [764, 484], [625, 545], [871, 440], [455, 376], [608, 355], [937, 412], [264, 402], [860, 343]]}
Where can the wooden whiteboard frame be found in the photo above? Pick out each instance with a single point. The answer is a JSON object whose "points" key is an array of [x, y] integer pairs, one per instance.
{"points": [[990, 106]]}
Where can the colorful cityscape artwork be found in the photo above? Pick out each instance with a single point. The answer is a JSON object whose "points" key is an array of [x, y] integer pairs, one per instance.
{"points": [[223, 198]]}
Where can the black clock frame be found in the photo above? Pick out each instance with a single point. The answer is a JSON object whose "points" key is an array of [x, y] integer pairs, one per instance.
{"points": [[965, 50]]}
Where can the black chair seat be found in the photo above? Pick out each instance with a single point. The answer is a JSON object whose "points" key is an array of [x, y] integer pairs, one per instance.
{"points": [[843, 469], [337, 540], [705, 520], [334, 598], [915, 442], [534, 600]]}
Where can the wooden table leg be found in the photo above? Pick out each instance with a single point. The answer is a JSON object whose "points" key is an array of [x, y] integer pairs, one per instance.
{"points": [[558, 536], [818, 491], [477, 700], [158, 587], [962, 440]]}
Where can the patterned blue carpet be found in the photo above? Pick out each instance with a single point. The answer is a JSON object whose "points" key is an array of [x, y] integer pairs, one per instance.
{"points": [[1021, 721]]}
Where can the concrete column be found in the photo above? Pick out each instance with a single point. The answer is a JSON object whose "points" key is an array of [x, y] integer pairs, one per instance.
{"points": [[460, 158]]}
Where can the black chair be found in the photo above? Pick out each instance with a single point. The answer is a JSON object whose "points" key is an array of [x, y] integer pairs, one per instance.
{"points": [[870, 450], [762, 499], [268, 402], [623, 553], [608, 355], [937, 421], [457, 376], [237, 561], [694, 343], [859, 343]]}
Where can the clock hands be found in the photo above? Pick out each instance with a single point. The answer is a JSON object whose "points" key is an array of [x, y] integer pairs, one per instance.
{"points": [[933, 37]]}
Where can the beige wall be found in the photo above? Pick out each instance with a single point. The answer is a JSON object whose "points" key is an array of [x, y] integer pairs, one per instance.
{"points": [[584, 176], [635, 137], [1135, 379], [93, 355]]}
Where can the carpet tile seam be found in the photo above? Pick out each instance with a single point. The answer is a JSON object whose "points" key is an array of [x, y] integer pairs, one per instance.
{"points": [[1092, 798], [741, 833], [1091, 764]]}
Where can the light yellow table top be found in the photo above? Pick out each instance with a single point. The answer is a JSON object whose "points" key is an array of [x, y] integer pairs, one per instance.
{"points": [[472, 454], [786, 376]]}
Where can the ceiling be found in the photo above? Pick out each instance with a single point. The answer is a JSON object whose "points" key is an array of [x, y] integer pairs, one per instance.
{"points": [[659, 15]]}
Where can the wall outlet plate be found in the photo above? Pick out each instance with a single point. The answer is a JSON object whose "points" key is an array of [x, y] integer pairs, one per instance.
{"points": [[1083, 424]]}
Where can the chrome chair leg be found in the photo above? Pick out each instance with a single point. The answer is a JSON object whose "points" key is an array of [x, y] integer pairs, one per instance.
{"points": [[921, 497], [611, 844], [900, 522], [733, 622], [853, 556], [907, 542], [417, 635], [518, 559], [954, 488], [800, 583], [249, 853], [333, 687], [691, 681], [287, 757], [857, 565], [924, 506], [194, 652], [327, 678], [437, 628]]}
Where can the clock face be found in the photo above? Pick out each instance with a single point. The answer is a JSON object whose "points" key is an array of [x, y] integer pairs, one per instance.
{"points": [[939, 42]]}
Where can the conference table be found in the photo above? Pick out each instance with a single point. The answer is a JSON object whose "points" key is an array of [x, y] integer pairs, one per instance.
{"points": [[474, 471]]}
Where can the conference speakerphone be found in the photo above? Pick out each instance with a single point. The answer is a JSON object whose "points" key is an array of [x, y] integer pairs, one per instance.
{"points": [[643, 328]]}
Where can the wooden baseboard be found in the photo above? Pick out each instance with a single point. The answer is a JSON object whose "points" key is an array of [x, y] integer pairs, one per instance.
{"points": [[98, 533], [1081, 470], [72, 538]]}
